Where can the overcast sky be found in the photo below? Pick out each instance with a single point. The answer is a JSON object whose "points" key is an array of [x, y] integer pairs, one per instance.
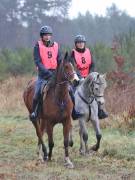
{"points": [[99, 6]]}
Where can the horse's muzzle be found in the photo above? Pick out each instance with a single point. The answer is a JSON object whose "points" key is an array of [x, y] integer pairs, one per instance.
{"points": [[100, 100]]}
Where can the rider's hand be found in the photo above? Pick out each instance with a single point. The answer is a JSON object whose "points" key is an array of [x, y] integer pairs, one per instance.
{"points": [[76, 83], [50, 73]]}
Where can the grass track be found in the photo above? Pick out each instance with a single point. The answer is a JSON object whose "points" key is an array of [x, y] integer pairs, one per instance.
{"points": [[114, 161]]}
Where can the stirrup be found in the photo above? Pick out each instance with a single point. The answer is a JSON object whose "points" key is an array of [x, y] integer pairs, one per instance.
{"points": [[76, 115], [102, 114]]}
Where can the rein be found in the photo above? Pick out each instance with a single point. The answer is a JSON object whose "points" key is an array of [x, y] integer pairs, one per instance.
{"points": [[93, 97], [63, 82], [87, 102], [65, 79]]}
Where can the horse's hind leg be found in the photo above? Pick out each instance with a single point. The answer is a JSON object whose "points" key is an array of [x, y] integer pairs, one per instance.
{"points": [[50, 140], [66, 131], [83, 137]]}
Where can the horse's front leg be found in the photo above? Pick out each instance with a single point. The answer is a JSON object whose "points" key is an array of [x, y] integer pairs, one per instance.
{"points": [[50, 140], [41, 145], [66, 130], [96, 125], [39, 153], [70, 137], [83, 137], [81, 150]]}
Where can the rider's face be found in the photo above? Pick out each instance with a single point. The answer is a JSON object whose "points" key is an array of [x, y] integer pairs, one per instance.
{"points": [[80, 45], [46, 37]]}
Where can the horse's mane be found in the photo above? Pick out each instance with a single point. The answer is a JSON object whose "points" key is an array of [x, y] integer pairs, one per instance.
{"points": [[52, 82], [90, 78], [87, 80], [53, 79]]}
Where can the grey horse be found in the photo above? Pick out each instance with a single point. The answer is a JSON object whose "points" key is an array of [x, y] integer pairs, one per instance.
{"points": [[88, 95]]}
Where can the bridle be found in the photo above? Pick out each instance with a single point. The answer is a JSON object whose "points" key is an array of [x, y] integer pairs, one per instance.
{"points": [[66, 80], [66, 77], [93, 96], [96, 95]]}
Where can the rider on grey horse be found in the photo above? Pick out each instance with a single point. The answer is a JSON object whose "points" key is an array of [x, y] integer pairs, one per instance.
{"points": [[82, 58]]}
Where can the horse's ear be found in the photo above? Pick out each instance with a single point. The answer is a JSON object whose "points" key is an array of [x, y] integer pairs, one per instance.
{"points": [[66, 55], [93, 76], [104, 76]]}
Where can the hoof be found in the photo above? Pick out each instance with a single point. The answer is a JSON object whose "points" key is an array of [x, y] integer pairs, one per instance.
{"points": [[45, 158], [49, 159], [87, 153], [94, 148], [39, 161], [91, 152], [71, 143], [68, 163], [82, 152]]}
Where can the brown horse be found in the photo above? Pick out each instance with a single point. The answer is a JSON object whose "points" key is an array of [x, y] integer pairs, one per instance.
{"points": [[56, 108]]}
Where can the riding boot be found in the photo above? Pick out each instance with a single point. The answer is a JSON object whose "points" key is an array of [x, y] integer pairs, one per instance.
{"points": [[101, 113], [75, 114], [33, 116]]}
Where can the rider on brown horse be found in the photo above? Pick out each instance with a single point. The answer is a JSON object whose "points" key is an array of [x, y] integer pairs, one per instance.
{"points": [[82, 58], [47, 56]]}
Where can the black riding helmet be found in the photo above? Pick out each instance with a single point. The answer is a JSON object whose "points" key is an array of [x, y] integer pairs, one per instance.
{"points": [[79, 38], [45, 30]]}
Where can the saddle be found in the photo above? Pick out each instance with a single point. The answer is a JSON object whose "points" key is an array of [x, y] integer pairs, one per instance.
{"points": [[44, 90], [44, 87]]}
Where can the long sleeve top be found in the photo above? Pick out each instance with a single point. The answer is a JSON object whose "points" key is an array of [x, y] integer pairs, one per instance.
{"points": [[43, 72], [92, 66]]}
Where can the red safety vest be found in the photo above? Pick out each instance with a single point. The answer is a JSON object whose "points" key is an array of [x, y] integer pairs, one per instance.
{"points": [[83, 61], [48, 55]]}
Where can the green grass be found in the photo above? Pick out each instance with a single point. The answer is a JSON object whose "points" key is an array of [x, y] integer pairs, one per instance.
{"points": [[115, 159]]}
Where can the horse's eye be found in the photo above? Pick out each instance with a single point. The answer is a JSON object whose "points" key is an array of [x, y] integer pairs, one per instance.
{"points": [[96, 89]]}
